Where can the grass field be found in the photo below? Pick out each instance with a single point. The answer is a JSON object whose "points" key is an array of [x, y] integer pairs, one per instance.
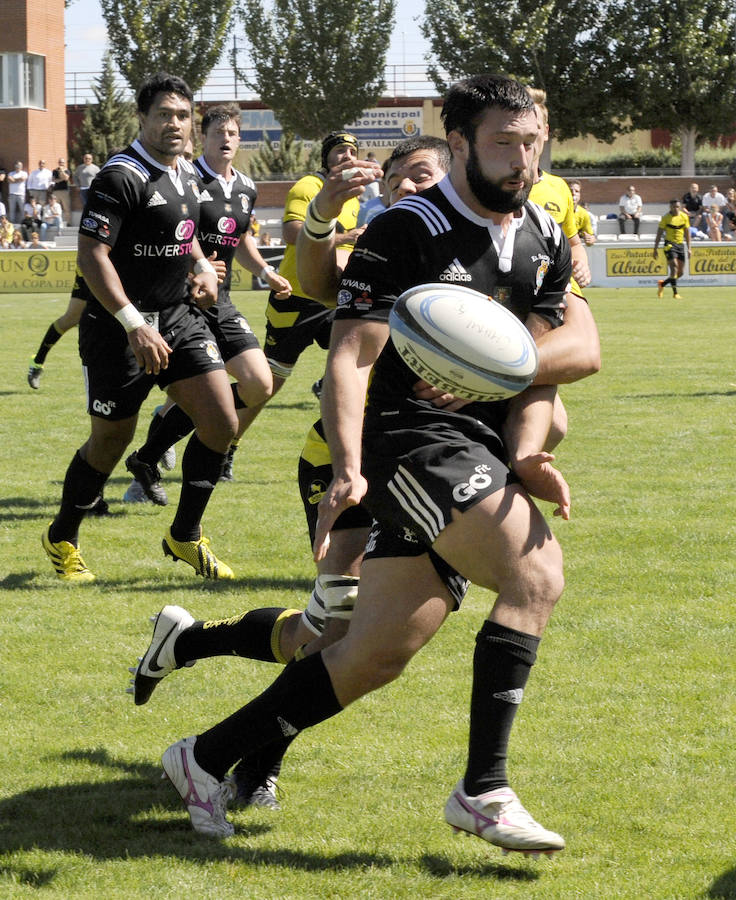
{"points": [[626, 743]]}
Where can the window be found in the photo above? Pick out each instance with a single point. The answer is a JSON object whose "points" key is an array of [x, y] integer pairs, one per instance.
{"points": [[22, 80]]}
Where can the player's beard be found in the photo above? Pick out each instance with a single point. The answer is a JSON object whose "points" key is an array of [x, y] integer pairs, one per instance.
{"points": [[489, 193]]}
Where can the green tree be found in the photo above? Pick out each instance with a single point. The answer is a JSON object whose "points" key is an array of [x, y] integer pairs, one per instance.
{"points": [[110, 123], [677, 67], [550, 44], [285, 161], [319, 63], [148, 36]]}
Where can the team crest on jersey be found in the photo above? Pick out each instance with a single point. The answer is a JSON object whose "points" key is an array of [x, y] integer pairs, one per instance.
{"points": [[156, 200], [551, 206], [244, 325], [210, 348], [542, 270], [195, 188], [245, 202], [204, 196]]}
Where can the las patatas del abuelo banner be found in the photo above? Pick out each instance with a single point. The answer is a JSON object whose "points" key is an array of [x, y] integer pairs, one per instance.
{"points": [[635, 266]]}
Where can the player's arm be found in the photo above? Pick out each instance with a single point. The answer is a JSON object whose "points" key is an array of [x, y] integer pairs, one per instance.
{"points": [[203, 281], [354, 347], [319, 262], [150, 349], [572, 351], [249, 257], [658, 237]]}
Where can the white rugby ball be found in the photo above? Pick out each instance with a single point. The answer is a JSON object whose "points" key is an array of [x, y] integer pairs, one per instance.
{"points": [[463, 342]]}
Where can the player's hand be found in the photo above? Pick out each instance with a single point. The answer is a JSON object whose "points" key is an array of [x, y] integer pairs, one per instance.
{"points": [[341, 494], [437, 397], [150, 349], [279, 285], [219, 266], [543, 481], [350, 237], [581, 272], [203, 289], [337, 188]]}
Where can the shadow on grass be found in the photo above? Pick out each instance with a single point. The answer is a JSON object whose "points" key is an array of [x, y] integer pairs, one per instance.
{"points": [[724, 888], [28, 581], [675, 395], [138, 816]]}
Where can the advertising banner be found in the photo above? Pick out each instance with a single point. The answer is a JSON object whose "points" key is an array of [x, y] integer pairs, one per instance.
{"points": [[37, 271], [634, 265]]}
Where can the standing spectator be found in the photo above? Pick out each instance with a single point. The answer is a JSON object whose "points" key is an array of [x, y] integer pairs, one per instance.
{"points": [[62, 180], [3, 183], [583, 220], [51, 216], [39, 182], [17, 192], [692, 204], [83, 176], [629, 206], [372, 190]]}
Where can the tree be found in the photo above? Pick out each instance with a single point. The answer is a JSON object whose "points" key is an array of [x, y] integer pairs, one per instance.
{"points": [[678, 67], [110, 123], [286, 161], [550, 44], [184, 39], [319, 63]]}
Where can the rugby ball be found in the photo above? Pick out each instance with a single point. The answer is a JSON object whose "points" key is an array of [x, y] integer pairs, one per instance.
{"points": [[463, 342]]}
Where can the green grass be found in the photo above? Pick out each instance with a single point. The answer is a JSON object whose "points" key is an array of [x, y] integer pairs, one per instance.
{"points": [[626, 743]]}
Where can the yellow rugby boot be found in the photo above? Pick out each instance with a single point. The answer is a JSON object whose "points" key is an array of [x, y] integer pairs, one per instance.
{"points": [[66, 560], [198, 555]]}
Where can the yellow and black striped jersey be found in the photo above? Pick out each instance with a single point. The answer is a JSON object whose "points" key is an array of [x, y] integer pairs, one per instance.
{"points": [[674, 225]]}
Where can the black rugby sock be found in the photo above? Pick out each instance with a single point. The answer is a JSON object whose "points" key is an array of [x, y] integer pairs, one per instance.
{"points": [[82, 489], [300, 697], [200, 469], [49, 339], [164, 432], [250, 634], [501, 665]]}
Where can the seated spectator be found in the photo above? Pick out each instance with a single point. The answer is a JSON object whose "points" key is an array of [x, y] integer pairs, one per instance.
{"points": [[255, 226], [17, 242], [51, 216], [583, 219], [715, 222], [630, 207], [729, 216], [35, 243], [32, 218], [265, 240], [3, 211], [713, 198], [6, 231]]}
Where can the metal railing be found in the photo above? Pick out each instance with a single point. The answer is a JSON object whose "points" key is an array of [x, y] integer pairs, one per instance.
{"points": [[223, 84]]}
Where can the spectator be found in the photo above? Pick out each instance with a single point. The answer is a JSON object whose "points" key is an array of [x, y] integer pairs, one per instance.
{"points": [[39, 182], [61, 188], [713, 197], [17, 192], [6, 231], [3, 211], [372, 190], [35, 243], [265, 240], [3, 182], [715, 223], [51, 216], [83, 176], [17, 242], [692, 204], [629, 206], [729, 215], [255, 226], [583, 219], [32, 218]]}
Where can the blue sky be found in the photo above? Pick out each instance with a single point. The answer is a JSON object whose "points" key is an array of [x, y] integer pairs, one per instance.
{"points": [[86, 36]]}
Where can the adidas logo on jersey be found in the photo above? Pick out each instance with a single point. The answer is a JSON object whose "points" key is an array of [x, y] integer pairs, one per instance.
{"points": [[455, 272], [204, 196], [156, 200]]}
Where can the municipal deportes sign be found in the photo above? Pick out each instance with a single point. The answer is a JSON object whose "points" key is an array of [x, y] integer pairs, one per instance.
{"points": [[380, 127]]}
